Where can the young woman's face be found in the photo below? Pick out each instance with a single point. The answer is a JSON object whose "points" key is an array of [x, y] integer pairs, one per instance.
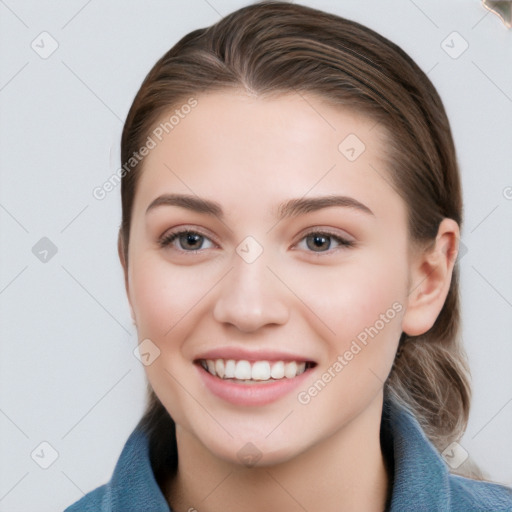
{"points": [[267, 243]]}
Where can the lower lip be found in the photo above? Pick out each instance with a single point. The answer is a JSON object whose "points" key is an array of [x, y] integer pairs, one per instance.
{"points": [[251, 394]]}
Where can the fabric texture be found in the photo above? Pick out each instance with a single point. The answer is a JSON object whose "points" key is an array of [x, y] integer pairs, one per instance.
{"points": [[420, 478]]}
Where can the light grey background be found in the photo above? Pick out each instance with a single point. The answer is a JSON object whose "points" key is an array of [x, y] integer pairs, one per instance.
{"points": [[68, 375]]}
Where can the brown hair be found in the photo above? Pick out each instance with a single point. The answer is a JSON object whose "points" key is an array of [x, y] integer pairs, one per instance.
{"points": [[277, 47]]}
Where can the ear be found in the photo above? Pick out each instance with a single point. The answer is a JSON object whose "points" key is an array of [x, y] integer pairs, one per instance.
{"points": [[124, 264], [429, 279]]}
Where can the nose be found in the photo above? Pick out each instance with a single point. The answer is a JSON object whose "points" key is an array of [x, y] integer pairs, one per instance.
{"points": [[250, 297]]}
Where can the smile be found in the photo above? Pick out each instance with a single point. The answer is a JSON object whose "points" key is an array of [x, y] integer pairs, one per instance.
{"points": [[257, 382], [246, 371]]}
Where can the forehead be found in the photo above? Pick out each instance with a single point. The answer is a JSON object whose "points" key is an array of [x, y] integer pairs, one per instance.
{"points": [[233, 145]]}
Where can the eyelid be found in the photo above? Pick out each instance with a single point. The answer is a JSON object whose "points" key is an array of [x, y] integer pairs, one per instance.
{"points": [[326, 231], [332, 232], [178, 230], [344, 241]]}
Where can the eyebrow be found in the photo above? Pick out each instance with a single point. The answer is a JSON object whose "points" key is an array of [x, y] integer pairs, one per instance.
{"points": [[290, 208]]}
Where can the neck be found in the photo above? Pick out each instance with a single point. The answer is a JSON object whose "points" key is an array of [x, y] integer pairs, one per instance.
{"points": [[344, 472]]}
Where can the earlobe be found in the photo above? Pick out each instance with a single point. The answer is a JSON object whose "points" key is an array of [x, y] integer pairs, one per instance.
{"points": [[430, 278]]}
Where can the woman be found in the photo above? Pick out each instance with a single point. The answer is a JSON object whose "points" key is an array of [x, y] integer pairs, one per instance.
{"points": [[291, 216]]}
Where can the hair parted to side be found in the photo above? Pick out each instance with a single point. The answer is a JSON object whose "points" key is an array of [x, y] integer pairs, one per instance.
{"points": [[276, 47]]}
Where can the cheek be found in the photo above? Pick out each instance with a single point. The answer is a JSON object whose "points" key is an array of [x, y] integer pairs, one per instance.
{"points": [[361, 304], [166, 301], [164, 296], [363, 307], [353, 296]]}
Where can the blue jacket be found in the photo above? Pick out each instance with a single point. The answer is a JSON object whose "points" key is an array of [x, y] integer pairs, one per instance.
{"points": [[421, 480]]}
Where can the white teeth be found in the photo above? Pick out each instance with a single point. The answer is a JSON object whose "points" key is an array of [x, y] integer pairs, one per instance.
{"points": [[260, 370], [243, 370], [229, 369], [277, 371], [257, 370], [219, 368], [290, 370]]}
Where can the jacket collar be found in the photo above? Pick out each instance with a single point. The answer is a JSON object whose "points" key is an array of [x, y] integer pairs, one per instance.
{"points": [[420, 477], [133, 486]]}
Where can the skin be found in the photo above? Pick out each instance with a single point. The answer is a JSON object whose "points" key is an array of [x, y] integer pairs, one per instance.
{"points": [[249, 154]]}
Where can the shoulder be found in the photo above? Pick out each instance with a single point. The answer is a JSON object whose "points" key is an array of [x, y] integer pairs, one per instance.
{"points": [[132, 488], [468, 495], [94, 501], [421, 477]]}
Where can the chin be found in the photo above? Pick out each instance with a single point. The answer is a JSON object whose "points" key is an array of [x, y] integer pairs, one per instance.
{"points": [[251, 451]]}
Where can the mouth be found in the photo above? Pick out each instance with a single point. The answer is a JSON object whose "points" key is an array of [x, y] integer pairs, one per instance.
{"points": [[254, 372]]}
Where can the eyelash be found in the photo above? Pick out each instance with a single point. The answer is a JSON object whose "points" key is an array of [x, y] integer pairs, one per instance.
{"points": [[169, 238]]}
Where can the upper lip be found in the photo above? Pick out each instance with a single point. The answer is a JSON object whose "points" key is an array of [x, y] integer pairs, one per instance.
{"points": [[242, 354]]}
